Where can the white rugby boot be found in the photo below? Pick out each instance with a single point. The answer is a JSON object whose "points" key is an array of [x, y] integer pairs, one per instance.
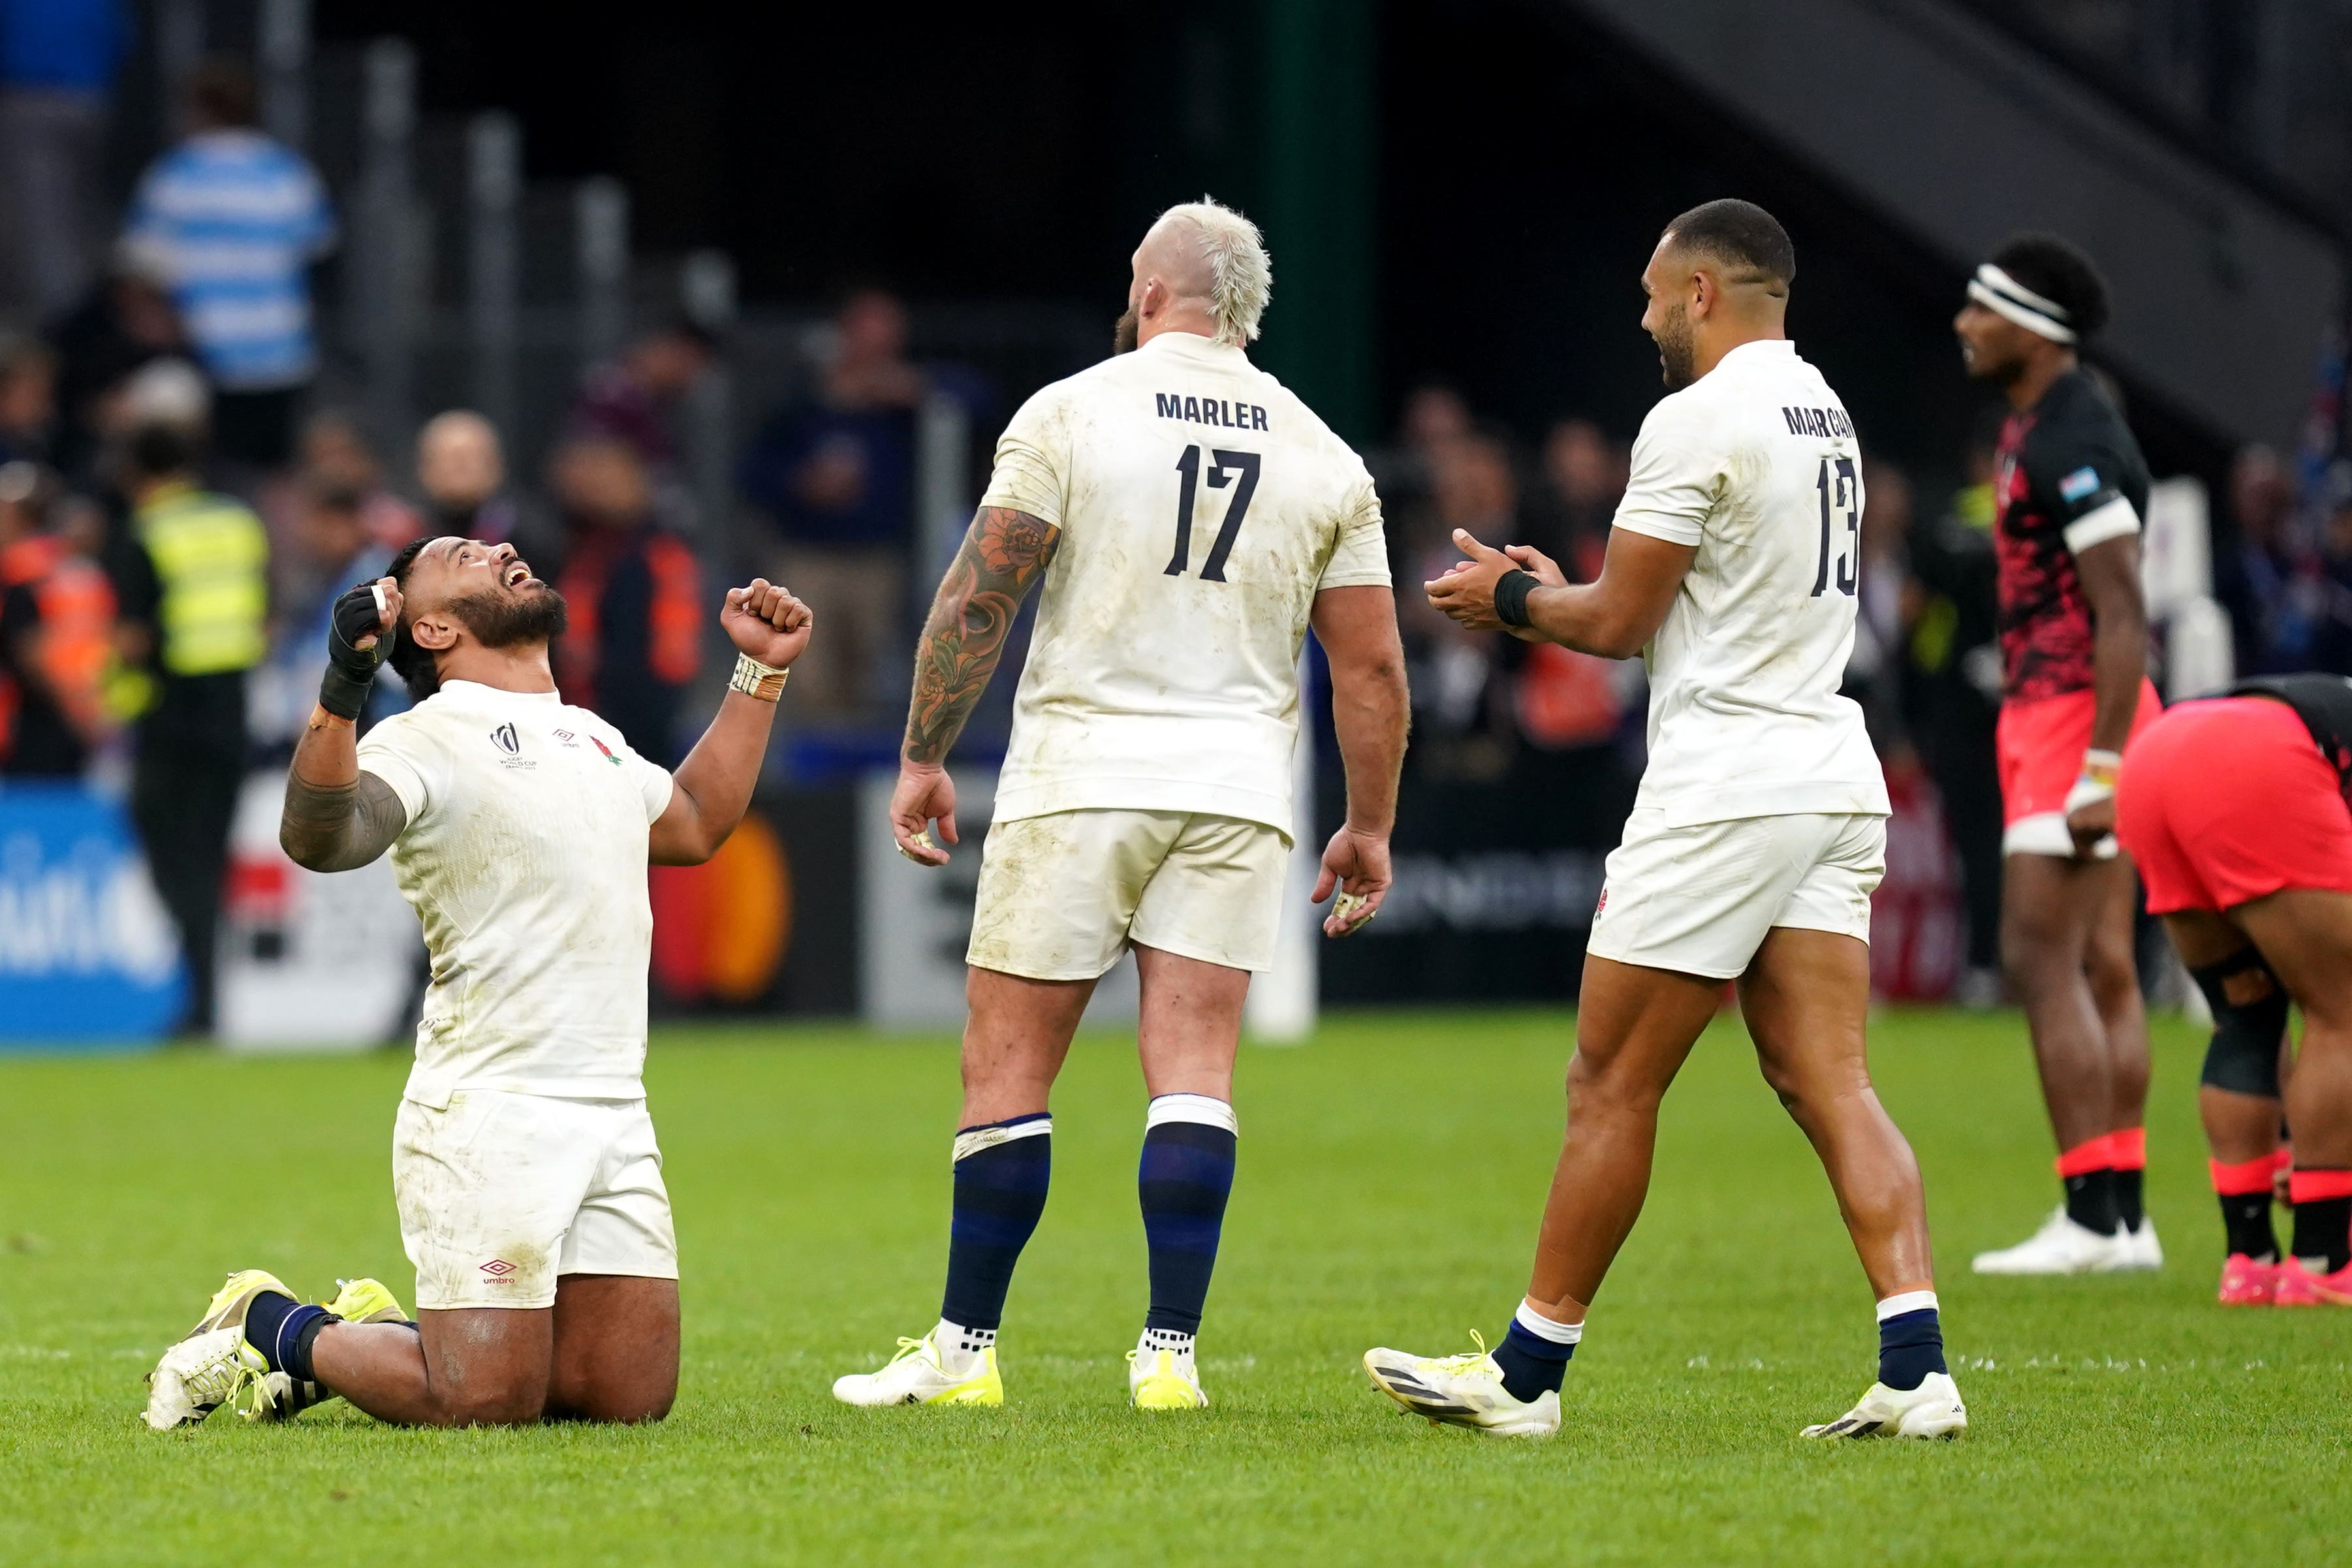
{"points": [[206, 1371], [916, 1376], [1164, 1379], [2061, 1246], [1931, 1410], [2140, 1249], [1464, 1390]]}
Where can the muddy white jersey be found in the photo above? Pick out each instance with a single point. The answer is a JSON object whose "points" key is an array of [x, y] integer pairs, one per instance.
{"points": [[1202, 507], [1757, 465], [524, 856]]}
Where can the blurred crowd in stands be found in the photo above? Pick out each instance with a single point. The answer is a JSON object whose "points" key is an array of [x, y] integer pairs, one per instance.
{"points": [[180, 506]]}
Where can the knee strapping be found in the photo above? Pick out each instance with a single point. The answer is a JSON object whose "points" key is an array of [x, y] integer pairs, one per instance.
{"points": [[2249, 1024]]}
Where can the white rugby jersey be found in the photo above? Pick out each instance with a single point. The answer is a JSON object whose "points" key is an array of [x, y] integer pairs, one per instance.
{"points": [[1202, 506], [525, 857], [1755, 464]]}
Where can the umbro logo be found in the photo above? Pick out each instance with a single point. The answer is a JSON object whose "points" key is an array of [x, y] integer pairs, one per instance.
{"points": [[498, 1269]]}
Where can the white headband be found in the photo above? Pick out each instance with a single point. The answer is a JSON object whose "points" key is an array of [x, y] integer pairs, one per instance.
{"points": [[2004, 296]]}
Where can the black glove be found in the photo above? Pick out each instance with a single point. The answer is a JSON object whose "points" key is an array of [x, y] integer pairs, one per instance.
{"points": [[350, 668]]}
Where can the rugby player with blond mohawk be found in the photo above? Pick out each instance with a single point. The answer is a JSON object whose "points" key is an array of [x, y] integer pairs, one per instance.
{"points": [[1190, 518]]}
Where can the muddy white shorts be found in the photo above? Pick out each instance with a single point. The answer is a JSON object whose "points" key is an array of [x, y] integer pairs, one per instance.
{"points": [[499, 1193], [1699, 900], [1061, 896]]}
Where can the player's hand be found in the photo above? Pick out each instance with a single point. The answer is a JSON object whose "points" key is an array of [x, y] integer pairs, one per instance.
{"points": [[2091, 824], [1466, 594], [1356, 864], [358, 639], [1544, 570], [925, 794], [1546, 574], [360, 618], [767, 623]]}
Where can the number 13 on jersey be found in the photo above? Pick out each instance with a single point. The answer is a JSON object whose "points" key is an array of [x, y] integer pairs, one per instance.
{"points": [[1841, 502], [1224, 468]]}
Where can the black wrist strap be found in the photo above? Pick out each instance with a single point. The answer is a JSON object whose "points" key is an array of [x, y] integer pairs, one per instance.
{"points": [[1511, 591], [342, 693]]}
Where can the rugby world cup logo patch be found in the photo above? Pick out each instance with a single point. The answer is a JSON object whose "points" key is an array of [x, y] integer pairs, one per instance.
{"points": [[505, 739]]}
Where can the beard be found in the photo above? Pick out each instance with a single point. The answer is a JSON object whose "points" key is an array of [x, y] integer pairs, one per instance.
{"points": [[1122, 332], [1982, 366], [500, 619], [1676, 358]]}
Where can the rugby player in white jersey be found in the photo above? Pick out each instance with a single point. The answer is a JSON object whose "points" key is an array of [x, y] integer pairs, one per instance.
{"points": [[524, 1165], [1756, 839], [1190, 519]]}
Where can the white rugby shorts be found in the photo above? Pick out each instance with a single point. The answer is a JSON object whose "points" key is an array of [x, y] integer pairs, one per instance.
{"points": [[500, 1192], [1700, 898], [1063, 895]]}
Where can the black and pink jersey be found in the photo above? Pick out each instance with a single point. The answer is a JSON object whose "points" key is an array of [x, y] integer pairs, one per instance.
{"points": [[2071, 476]]}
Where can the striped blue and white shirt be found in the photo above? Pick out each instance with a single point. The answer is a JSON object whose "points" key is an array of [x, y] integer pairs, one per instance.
{"points": [[238, 218]]}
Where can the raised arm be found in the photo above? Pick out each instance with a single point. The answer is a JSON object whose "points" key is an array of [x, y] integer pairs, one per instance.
{"points": [[1002, 555], [1614, 617], [712, 788], [337, 818], [1371, 711]]}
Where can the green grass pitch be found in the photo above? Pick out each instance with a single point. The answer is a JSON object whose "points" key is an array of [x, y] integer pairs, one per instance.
{"points": [[1390, 1177]]}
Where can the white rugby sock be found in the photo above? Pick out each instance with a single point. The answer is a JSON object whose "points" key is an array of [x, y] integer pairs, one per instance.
{"points": [[959, 1347], [1546, 1328]]}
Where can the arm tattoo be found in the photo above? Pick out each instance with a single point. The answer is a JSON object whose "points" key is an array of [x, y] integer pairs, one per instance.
{"points": [[338, 827], [1003, 553]]}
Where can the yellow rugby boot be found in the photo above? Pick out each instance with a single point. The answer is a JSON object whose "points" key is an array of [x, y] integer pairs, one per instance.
{"points": [[228, 1308], [1161, 1379], [366, 1301]]}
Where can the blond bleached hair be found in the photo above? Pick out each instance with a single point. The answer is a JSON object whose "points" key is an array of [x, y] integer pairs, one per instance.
{"points": [[1229, 247]]}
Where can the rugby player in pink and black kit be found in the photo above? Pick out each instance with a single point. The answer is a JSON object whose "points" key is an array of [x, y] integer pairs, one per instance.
{"points": [[2234, 809], [2070, 493]]}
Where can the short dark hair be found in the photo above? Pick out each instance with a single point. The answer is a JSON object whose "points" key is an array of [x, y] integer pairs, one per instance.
{"points": [[158, 451], [2060, 272], [1738, 234], [223, 91], [409, 659]]}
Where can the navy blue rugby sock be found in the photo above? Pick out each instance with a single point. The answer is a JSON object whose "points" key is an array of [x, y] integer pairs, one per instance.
{"points": [[1182, 1180], [1535, 1354], [1910, 1339], [281, 1329], [1001, 1171]]}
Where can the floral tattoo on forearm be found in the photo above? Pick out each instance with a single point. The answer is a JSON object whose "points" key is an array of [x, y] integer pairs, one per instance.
{"points": [[1004, 553]]}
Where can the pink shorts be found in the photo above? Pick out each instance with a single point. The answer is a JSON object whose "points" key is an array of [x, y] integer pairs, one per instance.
{"points": [[2041, 746], [2226, 800]]}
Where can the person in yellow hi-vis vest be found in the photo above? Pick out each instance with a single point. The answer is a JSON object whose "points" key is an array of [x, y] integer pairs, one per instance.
{"points": [[195, 608]]}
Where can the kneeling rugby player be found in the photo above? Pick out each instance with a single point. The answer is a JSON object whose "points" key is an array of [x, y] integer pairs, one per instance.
{"points": [[524, 1165]]}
